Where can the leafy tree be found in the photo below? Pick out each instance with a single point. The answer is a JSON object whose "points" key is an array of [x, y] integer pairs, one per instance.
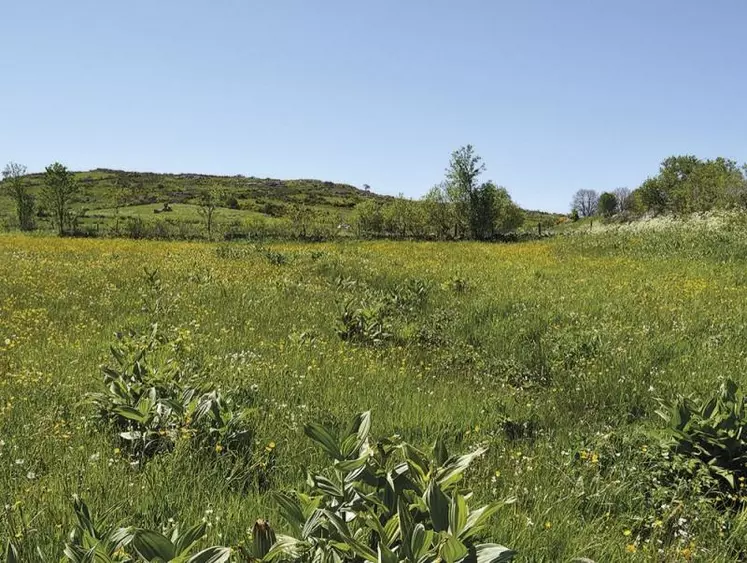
{"points": [[687, 184], [439, 213], [13, 174], [462, 177], [208, 202], [367, 218], [607, 204], [585, 202], [509, 215], [399, 217], [57, 193], [483, 211], [624, 199]]}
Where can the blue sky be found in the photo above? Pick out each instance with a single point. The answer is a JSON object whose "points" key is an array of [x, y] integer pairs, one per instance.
{"points": [[555, 95]]}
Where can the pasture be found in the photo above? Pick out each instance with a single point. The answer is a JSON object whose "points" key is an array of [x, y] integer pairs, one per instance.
{"points": [[554, 354]]}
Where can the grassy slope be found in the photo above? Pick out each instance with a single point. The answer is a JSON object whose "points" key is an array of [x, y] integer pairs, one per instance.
{"points": [[263, 199], [571, 339]]}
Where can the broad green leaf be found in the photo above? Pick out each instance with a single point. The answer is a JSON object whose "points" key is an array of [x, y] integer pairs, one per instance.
{"points": [[187, 539], [478, 518], [290, 510], [420, 542], [151, 545], [438, 507], [386, 555], [452, 550], [406, 526], [363, 424], [493, 553], [211, 555], [352, 464], [458, 513], [324, 438], [286, 547], [327, 486], [440, 453], [452, 471]]}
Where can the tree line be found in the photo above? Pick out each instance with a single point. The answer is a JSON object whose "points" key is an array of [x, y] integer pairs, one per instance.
{"points": [[460, 207], [684, 184]]}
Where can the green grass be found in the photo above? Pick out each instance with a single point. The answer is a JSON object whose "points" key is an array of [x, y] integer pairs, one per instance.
{"points": [[554, 355]]}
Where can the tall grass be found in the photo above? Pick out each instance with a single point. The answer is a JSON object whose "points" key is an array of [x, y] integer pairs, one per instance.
{"points": [[553, 353]]}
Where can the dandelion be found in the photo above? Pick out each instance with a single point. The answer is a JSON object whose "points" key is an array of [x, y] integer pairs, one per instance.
{"points": [[218, 448], [626, 533], [631, 548], [548, 525]]}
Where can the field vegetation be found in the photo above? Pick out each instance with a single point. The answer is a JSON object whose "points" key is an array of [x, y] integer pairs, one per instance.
{"points": [[158, 397]]}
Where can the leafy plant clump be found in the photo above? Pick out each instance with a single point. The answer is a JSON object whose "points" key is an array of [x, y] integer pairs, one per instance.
{"points": [[381, 502], [385, 502], [153, 403], [710, 435]]}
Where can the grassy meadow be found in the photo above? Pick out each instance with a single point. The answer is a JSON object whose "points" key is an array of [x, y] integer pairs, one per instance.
{"points": [[553, 353]]}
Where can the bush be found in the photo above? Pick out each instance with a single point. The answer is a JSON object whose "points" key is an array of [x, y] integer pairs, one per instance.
{"points": [[710, 435], [151, 401]]}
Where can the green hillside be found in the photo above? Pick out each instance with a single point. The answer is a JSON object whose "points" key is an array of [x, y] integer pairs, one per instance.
{"points": [[154, 205]]}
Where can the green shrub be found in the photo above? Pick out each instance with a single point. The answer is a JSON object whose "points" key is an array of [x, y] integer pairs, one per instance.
{"points": [[152, 402], [385, 502], [710, 434]]}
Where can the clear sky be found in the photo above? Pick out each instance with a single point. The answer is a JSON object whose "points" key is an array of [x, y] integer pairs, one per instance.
{"points": [[556, 95]]}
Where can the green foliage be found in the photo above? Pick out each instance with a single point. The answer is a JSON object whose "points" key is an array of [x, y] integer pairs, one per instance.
{"points": [[607, 204], [57, 193], [385, 501], [15, 185], [687, 184], [96, 540], [711, 434], [151, 401], [364, 323]]}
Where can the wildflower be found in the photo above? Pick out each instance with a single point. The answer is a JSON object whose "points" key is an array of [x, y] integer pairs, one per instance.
{"points": [[631, 548], [548, 525], [218, 448], [627, 532], [117, 451]]}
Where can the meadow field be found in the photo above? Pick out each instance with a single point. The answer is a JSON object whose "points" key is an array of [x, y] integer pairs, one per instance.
{"points": [[554, 354]]}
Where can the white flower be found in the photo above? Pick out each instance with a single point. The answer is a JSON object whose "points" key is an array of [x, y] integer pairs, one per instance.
{"points": [[31, 475], [19, 462]]}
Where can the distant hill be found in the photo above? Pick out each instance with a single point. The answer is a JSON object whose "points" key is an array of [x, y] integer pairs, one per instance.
{"points": [[102, 188], [106, 195]]}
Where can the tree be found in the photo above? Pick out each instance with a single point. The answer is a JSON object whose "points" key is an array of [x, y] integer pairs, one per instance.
{"points": [[397, 216], [607, 204], [13, 176], [439, 213], [624, 199], [366, 188], [585, 202], [462, 177], [367, 218], [57, 193], [208, 203], [509, 215], [483, 211]]}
